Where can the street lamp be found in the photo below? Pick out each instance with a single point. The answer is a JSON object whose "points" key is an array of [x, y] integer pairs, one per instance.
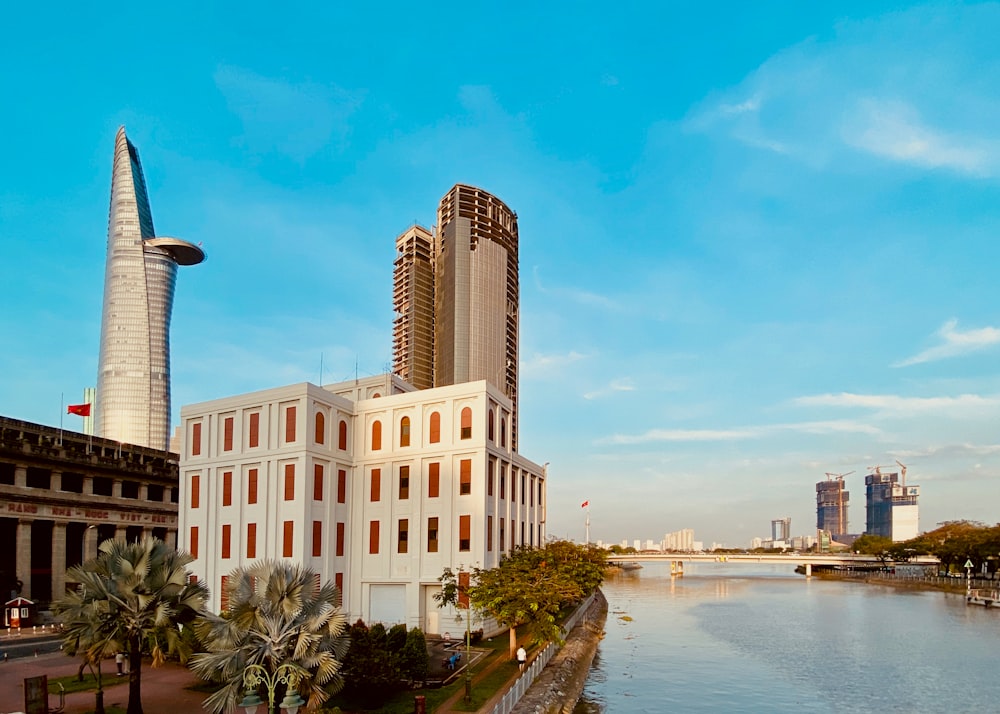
{"points": [[463, 581], [254, 675]]}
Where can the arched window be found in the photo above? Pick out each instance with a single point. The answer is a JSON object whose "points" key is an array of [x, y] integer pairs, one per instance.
{"points": [[342, 435], [320, 428], [435, 430], [466, 423], [376, 435], [489, 427], [503, 432], [404, 431]]}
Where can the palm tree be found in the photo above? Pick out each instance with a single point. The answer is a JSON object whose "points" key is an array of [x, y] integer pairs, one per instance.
{"points": [[278, 616], [133, 597]]}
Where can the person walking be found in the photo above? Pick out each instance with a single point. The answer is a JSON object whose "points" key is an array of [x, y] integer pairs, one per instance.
{"points": [[522, 658], [119, 661]]}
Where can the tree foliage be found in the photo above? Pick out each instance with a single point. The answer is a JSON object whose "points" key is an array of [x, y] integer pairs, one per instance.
{"points": [[371, 672], [278, 615], [132, 598], [954, 543], [531, 586]]}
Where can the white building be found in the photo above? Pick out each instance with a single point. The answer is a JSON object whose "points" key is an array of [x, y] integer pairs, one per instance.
{"points": [[376, 486]]}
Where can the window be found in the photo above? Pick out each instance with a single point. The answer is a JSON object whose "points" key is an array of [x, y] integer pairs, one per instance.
{"points": [[227, 488], [435, 430], [503, 481], [342, 436], [465, 533], [341, 486], [251, 540], [338, 580], [512, 543], [255, 430], [491, 467], [196, 439], [522, 487], [513, 485], [376, 485], [404, 483], [194, 542], [465, 477], [376, 435], [195, 491], [227, 434], [532, 499], [289, 425], [466, 432], [489, 534], [403, 536], [404, 431], [340, 539], [289, 482], [500, 523], [320, 428], [373, 537], [433, 480], [286, 540], [227, 531], [317, 482], [522, 532], [252, 486], [432, 534], [503, 432], [317, 539], [489, 427]]}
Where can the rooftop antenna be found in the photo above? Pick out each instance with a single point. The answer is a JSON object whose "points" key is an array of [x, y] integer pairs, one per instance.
{"points": [[321, 369]]}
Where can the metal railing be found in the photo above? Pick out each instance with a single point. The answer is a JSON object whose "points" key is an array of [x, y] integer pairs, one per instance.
{"points": [[513, 695]]}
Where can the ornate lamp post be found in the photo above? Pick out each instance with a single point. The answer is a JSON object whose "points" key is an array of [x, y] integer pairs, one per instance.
{"points": [[254, 675]]}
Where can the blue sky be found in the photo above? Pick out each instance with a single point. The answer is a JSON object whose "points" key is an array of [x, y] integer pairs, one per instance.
{"points": [[757, 239]]}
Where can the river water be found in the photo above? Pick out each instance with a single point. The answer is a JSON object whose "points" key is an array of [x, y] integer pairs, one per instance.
{"points": [[739, 638]]}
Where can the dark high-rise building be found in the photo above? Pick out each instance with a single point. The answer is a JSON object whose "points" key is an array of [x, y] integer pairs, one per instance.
{"points": [[891, 506], [133, 380], [462, 327], [831, 505]]}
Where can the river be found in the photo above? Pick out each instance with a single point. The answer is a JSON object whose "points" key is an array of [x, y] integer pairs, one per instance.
{"points": [[741, 638]]}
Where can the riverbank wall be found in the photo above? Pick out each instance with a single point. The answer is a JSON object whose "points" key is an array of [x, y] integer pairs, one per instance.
{"points": [[559, 686], [915, 582]]}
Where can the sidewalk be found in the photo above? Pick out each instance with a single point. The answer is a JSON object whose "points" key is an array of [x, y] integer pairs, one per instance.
{"points": [[448, 706], [164, 689]]}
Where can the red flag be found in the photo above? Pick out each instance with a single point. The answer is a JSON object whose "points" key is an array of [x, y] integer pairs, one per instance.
{"points": [[584, 504], [80, 409]]}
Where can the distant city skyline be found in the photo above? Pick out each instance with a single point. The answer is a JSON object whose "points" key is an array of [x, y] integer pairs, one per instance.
{"points": [[757, 244]]}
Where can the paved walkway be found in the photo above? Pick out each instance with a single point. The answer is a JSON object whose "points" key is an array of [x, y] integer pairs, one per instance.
{"points": [[164, 689], [501, 661]]}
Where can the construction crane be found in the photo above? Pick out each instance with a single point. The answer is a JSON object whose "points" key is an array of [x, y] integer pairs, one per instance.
{"points": [[839, 477], [902, 472], [877, 470], [841, 516]]}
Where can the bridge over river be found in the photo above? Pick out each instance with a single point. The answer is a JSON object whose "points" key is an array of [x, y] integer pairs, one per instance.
{"points": [[806, 560]]}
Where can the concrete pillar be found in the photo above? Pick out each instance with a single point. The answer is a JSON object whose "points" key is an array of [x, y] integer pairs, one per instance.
{"points": [[143, 491], [21, 476], [90, 543], [55, 483], [120, 533], [809, 570], [116, 488], [171, 539], [147, 532], [88, 485], [58, 560], [23, 563]]}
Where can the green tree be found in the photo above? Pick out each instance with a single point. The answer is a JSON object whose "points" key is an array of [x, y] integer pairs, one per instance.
{"points": [[414, 662], [278, 615], [132, 598], [370, 671]]}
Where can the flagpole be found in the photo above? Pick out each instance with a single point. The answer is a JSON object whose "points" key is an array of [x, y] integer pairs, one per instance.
{"points": [[62, 402], [587, 542]]}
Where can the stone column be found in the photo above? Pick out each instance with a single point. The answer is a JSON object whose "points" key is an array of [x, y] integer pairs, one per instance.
{"points": [[171, 538], [88, 485], [55, 483], [143, 491], [23, 563], [21, 475], [90, 543], [116, 488], [120, 533], [58, 560]]}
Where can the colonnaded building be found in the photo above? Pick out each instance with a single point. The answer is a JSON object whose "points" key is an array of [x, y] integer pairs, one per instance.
{"points": [[63, 493], [381, 484]]}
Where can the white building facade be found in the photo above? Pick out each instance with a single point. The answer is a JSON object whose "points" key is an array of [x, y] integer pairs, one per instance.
{"points": [[374, 485]]}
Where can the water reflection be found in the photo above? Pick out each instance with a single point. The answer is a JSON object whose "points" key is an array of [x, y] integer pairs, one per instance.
{"points": [[733, 639]]}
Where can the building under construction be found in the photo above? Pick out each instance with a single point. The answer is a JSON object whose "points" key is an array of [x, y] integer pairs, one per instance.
{"points": [[891, 507], [831, 505]]}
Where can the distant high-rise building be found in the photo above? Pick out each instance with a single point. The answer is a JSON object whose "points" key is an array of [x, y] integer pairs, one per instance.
{"points": [[463, 325], [133, 380], [781, 529], [891, 506], [831, 505]]}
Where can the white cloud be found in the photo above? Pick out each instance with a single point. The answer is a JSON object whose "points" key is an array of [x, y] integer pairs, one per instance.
{"points": [[742, 433], [892, 403], [956, 343], [544, 363], [616, 385], [894, 130]]}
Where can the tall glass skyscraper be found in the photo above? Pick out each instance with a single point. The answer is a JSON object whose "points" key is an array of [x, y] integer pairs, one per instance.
{"points": [[133, 380]]}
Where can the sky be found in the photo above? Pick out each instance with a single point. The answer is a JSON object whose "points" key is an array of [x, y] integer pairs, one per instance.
{"points": [[757, 240]]}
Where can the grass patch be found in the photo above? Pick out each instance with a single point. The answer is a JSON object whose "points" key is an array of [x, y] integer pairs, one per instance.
{"points": [[89, 683]]}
